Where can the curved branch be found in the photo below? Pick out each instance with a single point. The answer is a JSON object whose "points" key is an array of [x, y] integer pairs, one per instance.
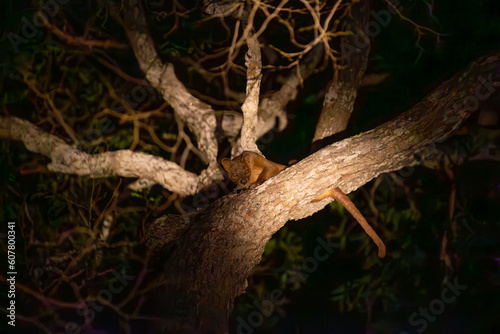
{"points": [[339, 99], [216, 251], [250, 107], [199, 116], [351, 163], [391, 146], [70, 160], [272, 107]]}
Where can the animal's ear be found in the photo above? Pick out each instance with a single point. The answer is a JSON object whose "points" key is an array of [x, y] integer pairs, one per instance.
{"points": [[247, 157], [226, 163]]}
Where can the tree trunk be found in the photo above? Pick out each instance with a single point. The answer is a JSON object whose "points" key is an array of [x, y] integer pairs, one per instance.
{"points": [[210, 256]]}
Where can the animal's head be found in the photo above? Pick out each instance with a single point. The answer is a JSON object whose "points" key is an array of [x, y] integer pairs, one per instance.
{"points": [[238, 171]]}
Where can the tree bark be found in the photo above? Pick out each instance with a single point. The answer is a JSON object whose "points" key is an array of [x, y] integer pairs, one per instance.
{"points": [[207, 255], [340, 96], [219, 245]]}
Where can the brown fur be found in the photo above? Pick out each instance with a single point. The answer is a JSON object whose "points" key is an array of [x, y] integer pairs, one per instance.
{"points": [[249, 170], [339, 195]]}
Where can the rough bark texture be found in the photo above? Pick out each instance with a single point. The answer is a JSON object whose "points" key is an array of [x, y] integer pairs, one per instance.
{"points": [[250, 107], [223, 242], [339, 99], [71, 160], [198, 116]]}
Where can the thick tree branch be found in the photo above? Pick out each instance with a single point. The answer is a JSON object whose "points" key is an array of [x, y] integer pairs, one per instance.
{"points": [[250, 107], [198, 116], [232, 233], [392, 146], [70, 160], [272, 107], [340, 97]]}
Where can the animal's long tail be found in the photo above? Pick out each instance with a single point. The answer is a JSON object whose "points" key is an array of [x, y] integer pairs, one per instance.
{"points": [[339, 195]]}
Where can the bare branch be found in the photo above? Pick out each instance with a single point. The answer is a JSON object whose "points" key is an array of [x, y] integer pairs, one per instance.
{"points": [[198, 116], [250, 107], [273, 106], [219, 9], [340, 97], [125, 163]]}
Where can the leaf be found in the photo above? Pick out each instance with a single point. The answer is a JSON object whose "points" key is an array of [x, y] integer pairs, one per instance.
{"points": [[84, 77]]}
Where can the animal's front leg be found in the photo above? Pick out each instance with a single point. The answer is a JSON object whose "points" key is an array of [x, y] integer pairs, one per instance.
{"points": [[261, 179], [266, 174]]}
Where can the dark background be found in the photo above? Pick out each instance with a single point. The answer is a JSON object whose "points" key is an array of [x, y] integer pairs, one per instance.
{"points": [[352, 291]]}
